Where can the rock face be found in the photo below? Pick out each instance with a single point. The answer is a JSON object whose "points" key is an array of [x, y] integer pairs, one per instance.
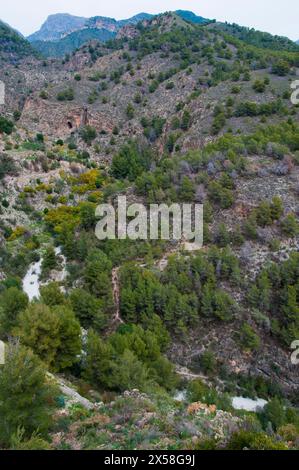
{"points": [[128, 31], [57, 26]]}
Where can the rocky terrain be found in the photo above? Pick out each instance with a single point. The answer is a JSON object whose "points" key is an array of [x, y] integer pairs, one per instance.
{"points": [[63, 33], [170, 109]]}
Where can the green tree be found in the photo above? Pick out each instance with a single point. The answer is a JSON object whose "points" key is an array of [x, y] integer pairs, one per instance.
{"points": [[12, 302], [52, 333], [128, 372], [264, 214], [88, 134], [51, 294], [281, 68], [26, 396], [187, 190], [290, 226], [208, 362], [38, 328], [186, 121], [131, 161], [249, 340], [6, 126], [276, 208], [274, 412], [88, 309], [223, 236], [49, 260], [98, 363], [259, 86], [130, 111], [87, 215], [70, 344]]}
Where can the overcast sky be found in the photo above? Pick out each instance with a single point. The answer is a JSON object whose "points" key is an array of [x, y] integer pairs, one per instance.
{"points": [[275, 16]]}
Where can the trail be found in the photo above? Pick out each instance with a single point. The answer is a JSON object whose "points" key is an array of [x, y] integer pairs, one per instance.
{"points": [[71, 393], [116, 295]]}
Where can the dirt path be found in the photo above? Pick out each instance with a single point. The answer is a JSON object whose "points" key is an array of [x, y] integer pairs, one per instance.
{"points": [[116, 295]]}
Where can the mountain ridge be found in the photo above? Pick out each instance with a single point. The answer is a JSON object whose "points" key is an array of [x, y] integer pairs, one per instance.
{"points": [[58, 25], [160, 341]]}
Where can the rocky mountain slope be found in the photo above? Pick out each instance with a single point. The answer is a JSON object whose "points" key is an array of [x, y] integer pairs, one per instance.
{"points": [[170, 111], [13, 46], [57, 26], [62, 33]]}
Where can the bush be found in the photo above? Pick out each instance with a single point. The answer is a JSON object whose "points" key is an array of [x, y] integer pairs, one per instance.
{"points": [[249, 340], [6, 126], [222, 196], [290, 226], [7, 166], [131, 161], [66, 95], [130, 111], [281, 68], [259, 86], [88, 134], [208, 362], [254, 441]]}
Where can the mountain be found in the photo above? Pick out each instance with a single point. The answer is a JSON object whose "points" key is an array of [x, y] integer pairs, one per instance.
{"points": [[57, 26], [13, 46], [113, 25], [190, 16], [163, 342], [63, 33], [71, 42], [259, 38]]}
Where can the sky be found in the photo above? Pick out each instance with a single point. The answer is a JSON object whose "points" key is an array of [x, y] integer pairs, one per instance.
{"points": [[275, 16]]}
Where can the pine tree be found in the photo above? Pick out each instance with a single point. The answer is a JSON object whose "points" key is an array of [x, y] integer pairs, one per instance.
{"points": [[128, 372], [97, 365], [70, 338], [12, 302], [26, 397], [52, 333]]}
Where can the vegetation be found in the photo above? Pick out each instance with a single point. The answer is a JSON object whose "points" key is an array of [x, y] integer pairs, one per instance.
{"points": [[160, 337]]}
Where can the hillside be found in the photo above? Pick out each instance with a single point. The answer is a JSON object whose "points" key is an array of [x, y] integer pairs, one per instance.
{"points": [[71, 42], [63, 33], [57, 26], [12, 45], [157, 345]]}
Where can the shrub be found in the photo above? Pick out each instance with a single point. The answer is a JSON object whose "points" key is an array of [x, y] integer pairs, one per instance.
{"points": [[7, 166], [6, 126], [131, 161], [290, 226], [253, 441], [88, 134], [281, 68], [130, 111], [66, 95], [248, 338], [259, 86]]}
